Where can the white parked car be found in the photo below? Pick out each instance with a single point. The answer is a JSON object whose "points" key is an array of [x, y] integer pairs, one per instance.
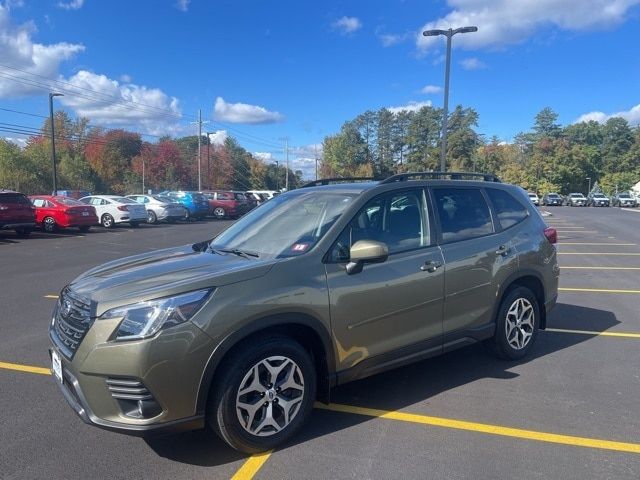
{"points": [[534, 198], [114, 209], [160, 208]]}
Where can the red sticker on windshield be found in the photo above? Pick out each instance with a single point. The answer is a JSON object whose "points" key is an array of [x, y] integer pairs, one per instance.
{"points": [[300, 247]]}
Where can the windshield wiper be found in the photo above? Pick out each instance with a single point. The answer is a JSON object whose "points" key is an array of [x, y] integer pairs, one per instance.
{"points": [[236, 251]]}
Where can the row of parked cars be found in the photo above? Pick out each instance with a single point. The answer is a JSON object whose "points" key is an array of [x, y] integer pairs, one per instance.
{"points": [[622, 199], [52, 212]]}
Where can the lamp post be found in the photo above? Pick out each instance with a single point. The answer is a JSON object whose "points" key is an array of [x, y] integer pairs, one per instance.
{"points": [[53, 141], [209, 158], [589, 191], [447, 33]]}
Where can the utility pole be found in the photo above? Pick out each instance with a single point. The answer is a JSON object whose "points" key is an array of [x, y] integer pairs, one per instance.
{"points": [[315, 154], [286, 154], [53, 141], [447, 33], [143, 190], [199, 122], [209, 159], [277, 175]]}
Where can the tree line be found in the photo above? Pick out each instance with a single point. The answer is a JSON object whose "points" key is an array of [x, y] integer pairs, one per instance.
{"points": [[548, 158], [114, 161]]}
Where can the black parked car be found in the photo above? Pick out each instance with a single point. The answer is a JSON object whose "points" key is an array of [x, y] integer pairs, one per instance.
{"points": [[552, 199], [624, 199], [598, 200]]}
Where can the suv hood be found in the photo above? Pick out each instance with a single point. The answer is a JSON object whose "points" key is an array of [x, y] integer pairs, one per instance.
{"points": [[163, 273]]}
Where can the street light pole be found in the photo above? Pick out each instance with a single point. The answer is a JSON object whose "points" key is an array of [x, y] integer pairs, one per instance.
{"points": [[277, 176], [589, 191], [449, 34], [53, 141]]}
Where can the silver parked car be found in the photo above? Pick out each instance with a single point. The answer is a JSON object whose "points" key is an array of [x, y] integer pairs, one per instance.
{"points": [[160, 208], [113, 209]]}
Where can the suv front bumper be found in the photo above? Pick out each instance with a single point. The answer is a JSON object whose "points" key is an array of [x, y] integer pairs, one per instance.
{"points": [[168, 367]]}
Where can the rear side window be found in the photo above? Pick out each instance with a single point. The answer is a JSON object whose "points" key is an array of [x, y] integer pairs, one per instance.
{"points": [[463, 213], [225, 196], [509, 210], [14, 199], [38, 202]]}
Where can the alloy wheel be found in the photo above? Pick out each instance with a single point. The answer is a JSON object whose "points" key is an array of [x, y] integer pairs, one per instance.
{"points": [[270, 396], [520, 323], [49, 224]]}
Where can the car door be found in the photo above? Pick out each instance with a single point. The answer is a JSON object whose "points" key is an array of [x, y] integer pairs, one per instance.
{"points": [[392, 310], [478, 258]]}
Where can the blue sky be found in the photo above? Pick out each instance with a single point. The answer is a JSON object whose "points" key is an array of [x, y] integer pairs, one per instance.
{"points": [[262, 71]]}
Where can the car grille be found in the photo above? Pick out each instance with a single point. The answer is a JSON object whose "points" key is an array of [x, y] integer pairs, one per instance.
{"points": [[71, 321]]}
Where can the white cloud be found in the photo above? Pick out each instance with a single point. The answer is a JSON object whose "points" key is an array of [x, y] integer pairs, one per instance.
{"points": [[244, 113], [71, 5], [431, 89], [106, 102], [103, 100], [391, 39], [19, 141], [265, 157], [504, 22], [412, 106], [347, 25], [218, 137], [18, 50], [632, 116], [183, 5], [472, 64]]}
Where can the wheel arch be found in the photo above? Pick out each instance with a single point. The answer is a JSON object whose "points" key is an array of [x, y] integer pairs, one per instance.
{"points": [[531, 280], [303, 328]]}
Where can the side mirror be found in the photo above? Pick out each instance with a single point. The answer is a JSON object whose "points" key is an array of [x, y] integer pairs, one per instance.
{"points": [[366, 251]]}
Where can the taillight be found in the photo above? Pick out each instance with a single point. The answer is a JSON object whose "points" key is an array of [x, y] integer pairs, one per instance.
{"points": [[123, 208], [551, 234], [4, 207]]}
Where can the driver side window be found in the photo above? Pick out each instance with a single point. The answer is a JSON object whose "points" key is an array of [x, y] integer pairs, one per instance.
{"points": [[397, 219]]}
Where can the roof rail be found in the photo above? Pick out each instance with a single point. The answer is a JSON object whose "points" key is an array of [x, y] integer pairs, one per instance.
{"points": [[401, 177], [329, 181]]}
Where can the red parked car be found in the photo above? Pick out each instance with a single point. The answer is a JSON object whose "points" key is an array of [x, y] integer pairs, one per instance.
{"points": [[226, 204], [16, 213], [57, 212]]}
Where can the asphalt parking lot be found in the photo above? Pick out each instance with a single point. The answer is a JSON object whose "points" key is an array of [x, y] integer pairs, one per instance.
{"points": [[570, 410]]}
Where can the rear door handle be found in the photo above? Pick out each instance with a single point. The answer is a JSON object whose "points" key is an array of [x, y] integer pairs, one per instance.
{"points": [[430, 266], [503, 250]]}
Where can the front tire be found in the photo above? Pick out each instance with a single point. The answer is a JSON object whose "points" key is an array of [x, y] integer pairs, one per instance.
{"points": [[151, 217], [219, 213], [264, 394], [517, 324]]}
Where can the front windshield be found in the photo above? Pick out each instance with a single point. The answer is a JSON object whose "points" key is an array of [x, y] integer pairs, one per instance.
{"points": [[286, 226], [598, 195], [624, 195]]}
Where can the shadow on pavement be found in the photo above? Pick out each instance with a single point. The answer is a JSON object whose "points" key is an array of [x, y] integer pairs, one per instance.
{"points": [[400, 388]]}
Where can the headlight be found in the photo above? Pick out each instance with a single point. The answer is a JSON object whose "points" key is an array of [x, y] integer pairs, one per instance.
{"points": [[145, 319]]}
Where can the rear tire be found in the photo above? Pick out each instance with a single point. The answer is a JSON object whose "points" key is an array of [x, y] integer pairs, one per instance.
{"points": [[219, 213], [49, 225], [517, 324], [276, 376], [107, 221], [84, 228], [23, 231], [151, 217]]}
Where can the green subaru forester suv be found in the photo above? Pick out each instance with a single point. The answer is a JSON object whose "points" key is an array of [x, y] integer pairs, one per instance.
{"points": [[317, 287]]}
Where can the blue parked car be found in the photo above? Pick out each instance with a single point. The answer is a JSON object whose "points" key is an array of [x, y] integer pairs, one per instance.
{"points": [[196, 204]]}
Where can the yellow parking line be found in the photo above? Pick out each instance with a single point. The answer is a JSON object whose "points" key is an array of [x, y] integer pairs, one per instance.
{"points": [[609, 244], [25, 368], [599, 253], [596, 290], [563, 267], [51, 296], [600, 334], [486, 428], [251, 466]]}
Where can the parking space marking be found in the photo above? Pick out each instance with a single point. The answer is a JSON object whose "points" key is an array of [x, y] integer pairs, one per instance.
{"points": [[564, 267], [594, 333], [51, 296], [599, 253], [596, 290], [486, 428], [604, 243], [251, 466], [25, 368]]}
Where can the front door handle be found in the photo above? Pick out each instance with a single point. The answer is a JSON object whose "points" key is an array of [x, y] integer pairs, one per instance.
{"points": [[430, 266], [503, 250]]}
